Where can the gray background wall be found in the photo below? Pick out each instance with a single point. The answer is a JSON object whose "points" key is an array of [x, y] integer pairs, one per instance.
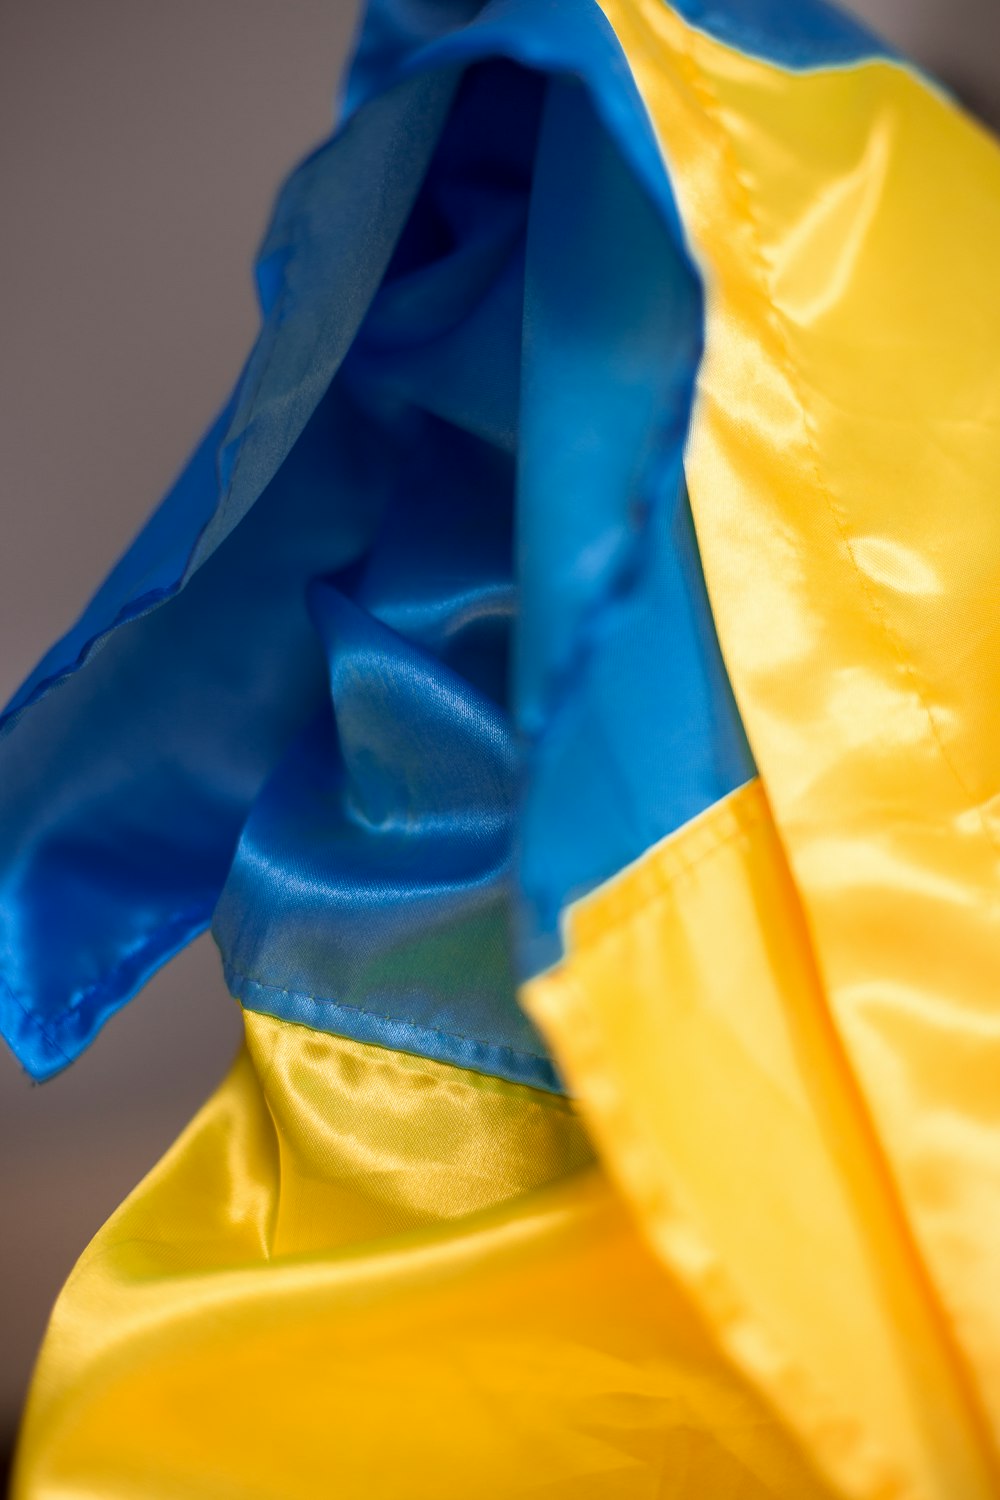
{"points": [[140, 145]]}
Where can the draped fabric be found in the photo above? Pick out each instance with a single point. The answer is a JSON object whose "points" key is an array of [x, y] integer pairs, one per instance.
{"points": [[314, 730], [566, 680], [361, 1273]]}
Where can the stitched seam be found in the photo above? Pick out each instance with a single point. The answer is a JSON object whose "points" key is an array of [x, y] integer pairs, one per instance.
{"points": [[712, 110], [744, 36], [653, 883], [705, 1273], [702, 87], [102, 988], [108, 988], [24, 1006], [392, 1061], [361, 1010]]}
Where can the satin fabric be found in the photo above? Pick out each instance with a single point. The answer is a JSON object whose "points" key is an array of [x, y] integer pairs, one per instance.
{"points": [[841, 466], [393, 609], [777, 1021], [800, 36], [365, 1274], [721, 1100], [809, 35]]}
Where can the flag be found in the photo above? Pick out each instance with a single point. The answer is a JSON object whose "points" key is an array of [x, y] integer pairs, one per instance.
{"points": [[565, 679]]}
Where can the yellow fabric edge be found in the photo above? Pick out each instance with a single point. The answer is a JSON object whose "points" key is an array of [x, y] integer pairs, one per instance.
{"points": [[891, 1422], [232, 1332], [841, 466]]}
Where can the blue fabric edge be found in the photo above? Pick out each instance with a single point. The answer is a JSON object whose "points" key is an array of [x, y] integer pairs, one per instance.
{"points": [[45, 1048], [822, 36], [318, 1013], [160, 944], [620, 107]]}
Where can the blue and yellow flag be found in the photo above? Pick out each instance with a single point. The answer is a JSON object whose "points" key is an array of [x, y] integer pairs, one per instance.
{"points": [[567, 680]]}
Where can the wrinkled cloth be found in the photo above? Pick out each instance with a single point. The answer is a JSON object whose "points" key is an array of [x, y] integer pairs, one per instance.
{"points": [[566, 680]]}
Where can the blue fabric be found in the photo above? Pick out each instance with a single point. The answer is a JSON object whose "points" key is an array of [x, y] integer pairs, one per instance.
{"points": [[620, 685], [795, 34], [125, 789], [799, 34], [418, 649]]}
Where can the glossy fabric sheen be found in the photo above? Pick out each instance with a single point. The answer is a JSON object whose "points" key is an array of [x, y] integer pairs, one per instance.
{"points": [[804, 34], [842, 469], [810, 34], [777, 1020], [432, 574], [362, 1274], [719, 1097]]}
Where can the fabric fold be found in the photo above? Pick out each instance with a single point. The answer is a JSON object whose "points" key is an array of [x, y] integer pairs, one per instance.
{"points": [[344, 1233], [426, 369]]}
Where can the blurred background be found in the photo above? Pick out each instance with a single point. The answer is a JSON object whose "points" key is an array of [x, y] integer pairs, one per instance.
{"points": [[140, 146]]}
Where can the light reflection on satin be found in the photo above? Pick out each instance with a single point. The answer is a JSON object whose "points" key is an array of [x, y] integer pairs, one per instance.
{"points": [[362, 1274], [719, 1099], [842, 468], [780, 1020], [450, 480]]}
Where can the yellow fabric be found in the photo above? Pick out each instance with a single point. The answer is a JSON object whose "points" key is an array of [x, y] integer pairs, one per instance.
{"points": [[782, 1024], [690, 1019], [349, 1278], [843, 465]]}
